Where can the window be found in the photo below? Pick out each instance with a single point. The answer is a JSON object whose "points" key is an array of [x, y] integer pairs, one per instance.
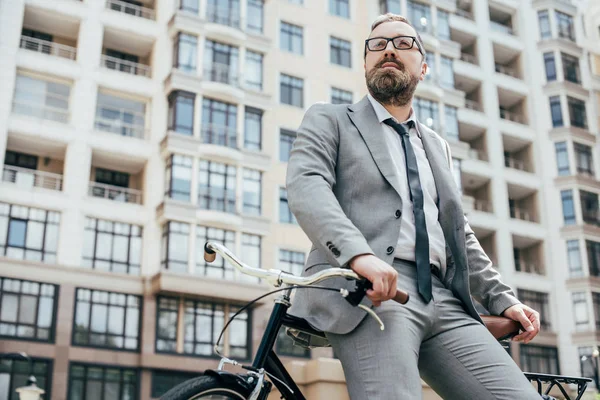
{"points": [[562, 158], [192, 6], [252, 192], [443, 24], [163, 381], [291, 38], [541, 359], [255, 16], [175, 240], [427, 111], [292, 90], [596, 303], [178, 177], [580, 311], [590, 207], [112, 246], [340, 96], [420, 15], [340, 52], [113, 61], [285, 346], [568, 207], [556, 111], [87, 382], [539, 302], [447, 73], [587, 366], [219, 268], [27, 309], [112, 178], [550, 65], [341, 8], [574, 259], [167, 310], [254, 70], [41, 99], [565, 26], [251, 248], [185, 54], [456, 170], [571, 68], [28, 233], [593, 256], [221, 63], [120, 116], [224, 12], [216, 186], [300, 2], [181, 112], [20, 160], [451, 125], [219, 123], [291, 261], [286, 140], [107, 319], [285, 215], [431, 74], [389, 6], [15, 373], [583, 159], [253, 128], [544, 21]]}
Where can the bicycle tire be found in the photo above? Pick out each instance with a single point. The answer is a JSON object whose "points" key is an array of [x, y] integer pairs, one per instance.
{"points": [[207, 387]]}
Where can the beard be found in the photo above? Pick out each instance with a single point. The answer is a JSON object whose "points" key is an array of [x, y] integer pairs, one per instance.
{"points": [[393, 87]]}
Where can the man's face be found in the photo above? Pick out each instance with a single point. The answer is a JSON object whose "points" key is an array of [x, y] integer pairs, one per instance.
{"points": [[392, 75]]}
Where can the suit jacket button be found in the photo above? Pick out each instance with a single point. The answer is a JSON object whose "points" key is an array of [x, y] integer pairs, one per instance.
{"points": [[336, 252], [390, 250], [398, 214]]}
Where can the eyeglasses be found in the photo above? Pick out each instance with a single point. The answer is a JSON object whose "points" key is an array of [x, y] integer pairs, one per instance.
{"points": [[399, 42]]}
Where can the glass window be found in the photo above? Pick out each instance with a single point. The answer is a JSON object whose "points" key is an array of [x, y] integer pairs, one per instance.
{"points": [[20, 160], [593, 255], [291, 90], [340, 52], [590, 209], [539, 302], [221, 63], [562, 158], [112, 246], [596, 303], [341, 8], [420, 15], [175, 241], [96, 382], [340, 96], [587, 365], [218, 268], [28, 233], [541, 359], [443, 24], [285, 215], [219, 123], [571, 68], [456, 170], [447, 73], [178, 177], [202, 325], [255, 16], [252, 192], [15, 373], [427, 111], [251, 249], [224, 12], [451, 125], [544, 21], [27, 309], [41, 99], [580, 311], [583, 159], [431, 73], [121, 116], [285, 346], [192, 6], [163, 381], [167, 310], [550, 65], [286, 140], [389, 6], [181, 112], [574, 259], [254, 70], [185, 55], [565, 26], [556, 111], [107, 319], [253, 128], [291, 261], [568, 207], [216, 186], [291, 38]]}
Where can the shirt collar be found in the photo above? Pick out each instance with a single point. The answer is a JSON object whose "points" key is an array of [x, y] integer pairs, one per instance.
{"points": [[383, 114]]}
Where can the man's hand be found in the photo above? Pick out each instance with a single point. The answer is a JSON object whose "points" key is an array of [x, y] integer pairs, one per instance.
{"points": [[529, 319], [382, 275]]}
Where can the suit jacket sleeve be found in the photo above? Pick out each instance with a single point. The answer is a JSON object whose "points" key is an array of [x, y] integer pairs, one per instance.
{"points": [[484, 280], [311, 177]]}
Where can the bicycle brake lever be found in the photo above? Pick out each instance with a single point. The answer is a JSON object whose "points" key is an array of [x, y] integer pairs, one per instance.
{"points": [[355, 297]]}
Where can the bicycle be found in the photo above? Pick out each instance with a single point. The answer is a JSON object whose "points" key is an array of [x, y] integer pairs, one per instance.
{"points": [[223, 385]]}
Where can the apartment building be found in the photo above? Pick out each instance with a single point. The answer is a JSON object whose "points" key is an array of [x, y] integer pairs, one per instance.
{"points": [[134, 131]]}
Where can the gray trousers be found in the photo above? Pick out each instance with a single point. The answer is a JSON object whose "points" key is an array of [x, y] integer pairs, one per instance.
{"points": [[438, 342]]}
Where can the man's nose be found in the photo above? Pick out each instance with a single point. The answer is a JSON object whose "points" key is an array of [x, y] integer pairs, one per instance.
{"points": [[390, 50]]}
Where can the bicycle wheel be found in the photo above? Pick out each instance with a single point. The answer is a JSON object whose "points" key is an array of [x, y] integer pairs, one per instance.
{"points": [[207, 388]]}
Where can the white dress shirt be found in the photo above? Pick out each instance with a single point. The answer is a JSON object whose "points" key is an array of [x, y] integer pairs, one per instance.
{"points": [[405, 249]]}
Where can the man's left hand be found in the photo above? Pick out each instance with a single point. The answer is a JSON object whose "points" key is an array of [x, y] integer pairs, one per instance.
{"points": [[529, 319]]}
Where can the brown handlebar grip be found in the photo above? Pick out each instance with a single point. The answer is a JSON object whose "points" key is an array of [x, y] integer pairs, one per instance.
{"points": [[209, 255], [401, 297]]}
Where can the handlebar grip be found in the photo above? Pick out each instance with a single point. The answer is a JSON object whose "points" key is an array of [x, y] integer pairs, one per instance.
{"points": [[209, 255], [401, 297]]}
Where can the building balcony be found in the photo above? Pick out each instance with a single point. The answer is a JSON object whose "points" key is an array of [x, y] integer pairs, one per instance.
{"points": [[465, 14], [221, 73], [131, 9], [47, 47], [498, 27], [507, 71], [518, 153], [469, 58], [116, 120], [220, 135], [115, 193], [24, 106], [473, 105], [30, 178], [523, 214], [125, 66], [512, 116], [521, 165]]}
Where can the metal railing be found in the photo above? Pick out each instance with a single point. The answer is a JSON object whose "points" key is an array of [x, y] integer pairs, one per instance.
{"points": [[128, 67], [472, 105], [220, 135], [39, 110], [46, 47], [512, 116], [528, 267], [507, 70], [224, 16], [115, 193], [522, 214], [498, 27], [32, 178], [222, 73], [515, 163], [482, 205], [465, 14], [469, 58], [131, 9], [591, 217], [119, 125], [476, 154]]}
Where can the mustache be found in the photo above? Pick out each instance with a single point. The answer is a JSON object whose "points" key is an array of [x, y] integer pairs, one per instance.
{"points": [[390, 60]]}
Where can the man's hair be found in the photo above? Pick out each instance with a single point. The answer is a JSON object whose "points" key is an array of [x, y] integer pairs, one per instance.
{"points": [[390, 17]]}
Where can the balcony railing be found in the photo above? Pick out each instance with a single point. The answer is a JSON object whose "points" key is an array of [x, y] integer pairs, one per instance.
{"points": [[469, 58], [498, 27], [465, 14], [221, 73], [128, 67], [515, 163], [512, 116], [507, 71], [131, 9], [25, 177], [115, 193], [482, 205], [219, 135], [118, 124], [476, 154], [472, 105], [224, 16], [46, 47], [24, 104], [591, 217], [528, 267], [522, 214]]}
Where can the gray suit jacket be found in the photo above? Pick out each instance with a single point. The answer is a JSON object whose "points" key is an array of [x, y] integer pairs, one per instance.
{"points": [[344, 191]]}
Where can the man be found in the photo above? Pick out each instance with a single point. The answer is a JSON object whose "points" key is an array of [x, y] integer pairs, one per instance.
{"points": [[373, 189]]}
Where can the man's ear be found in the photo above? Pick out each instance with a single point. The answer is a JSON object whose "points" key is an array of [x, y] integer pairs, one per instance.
{"points": [[424, 69]]}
